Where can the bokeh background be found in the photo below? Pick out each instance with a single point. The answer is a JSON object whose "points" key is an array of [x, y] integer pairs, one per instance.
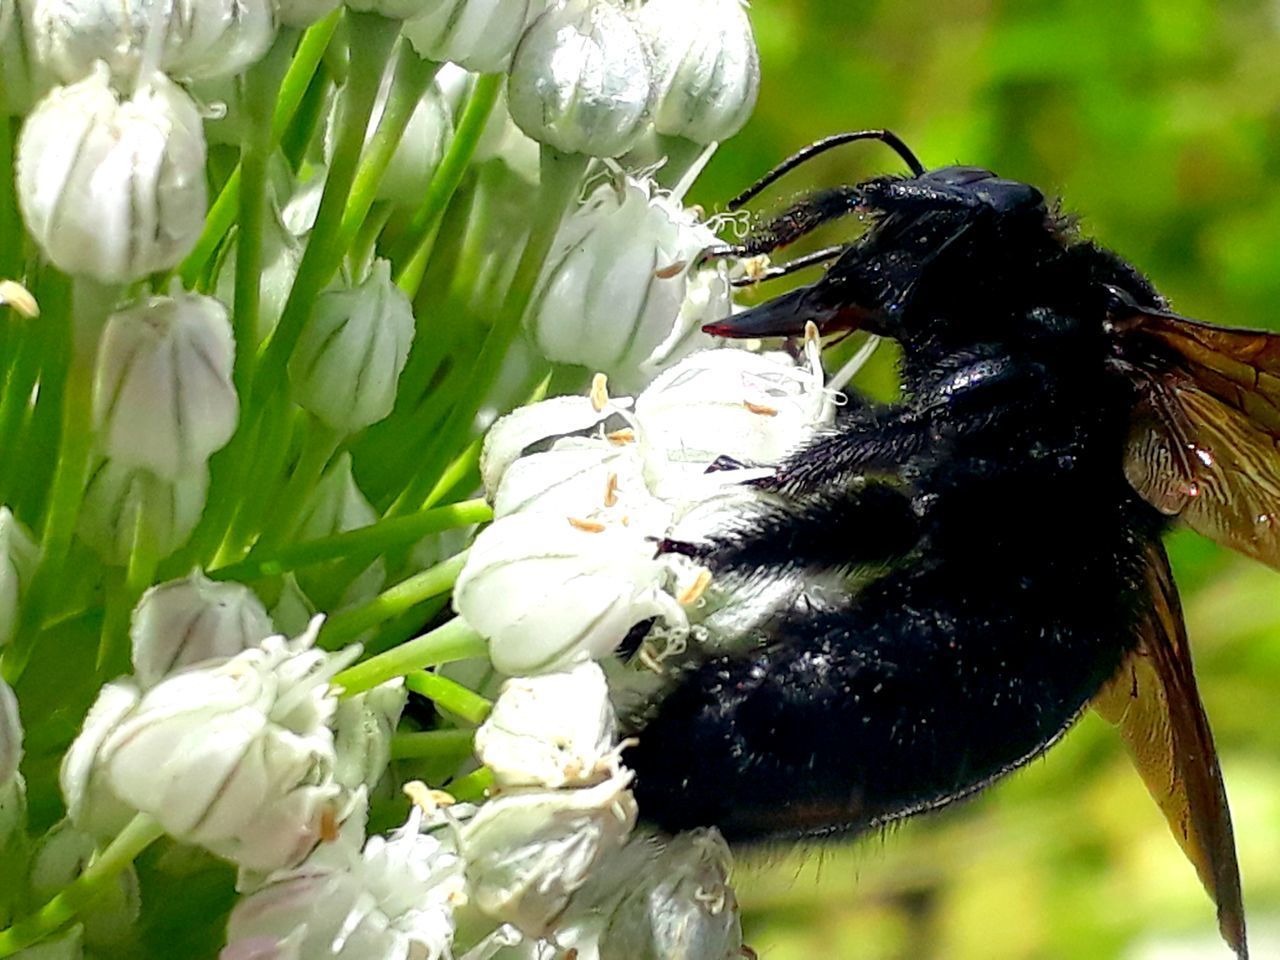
{"points": [[1158, 122]]}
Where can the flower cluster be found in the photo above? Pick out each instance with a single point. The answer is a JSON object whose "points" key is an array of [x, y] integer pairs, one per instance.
{"points": [[290, 260]]}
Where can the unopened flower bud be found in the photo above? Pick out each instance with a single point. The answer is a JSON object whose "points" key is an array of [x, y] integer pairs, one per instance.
{"points": [[10, 735], [349, 357], [604, 580], [528, 851], [479, 35], [303, 13], [706, 63], [118, 497], [60, 857], [192, 620], [163, 398], [201, 38], [555, 730], [680, 908], [18, 557], [581, 79], [91, 803], [129, 199], [618, 295], [236, 757], [363, 726]]}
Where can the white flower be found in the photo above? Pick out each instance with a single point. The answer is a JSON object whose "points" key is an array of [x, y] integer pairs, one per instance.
{"points": [[112, 189], [18, 557], [706, 63], [547, 592], [236, 756], [363, 727], [479, 35], [581, 79], [528, 851], [418, 152], [117, 495], [10, 735], [201, 38], [751, 407], [351, 352], [555, 730], [163, 398], [680, 907], [60, 857], [92, 805], [617, 295], [393, 901], [192, 620]]}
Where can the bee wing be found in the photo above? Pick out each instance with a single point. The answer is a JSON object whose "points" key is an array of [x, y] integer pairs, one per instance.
{"points": [[1153, 701], [1205, 439]]}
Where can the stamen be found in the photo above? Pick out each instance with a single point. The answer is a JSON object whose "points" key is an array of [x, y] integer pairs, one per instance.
{"points": [[761, 409], [589, 526], [611, 491], [15, 295], [620, 437], [599, 392], [693, 593]]}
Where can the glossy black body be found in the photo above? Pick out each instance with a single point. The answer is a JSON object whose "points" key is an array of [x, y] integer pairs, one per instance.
{"points": [[991, 501]]}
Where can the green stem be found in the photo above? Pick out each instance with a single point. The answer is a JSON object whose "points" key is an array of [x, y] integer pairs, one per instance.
{"points": [[222, 214], [144, 557], [561, 174], [318, 445], [454, 640], [362, 544], [432, 744], [473, 786], [91, 303], [445, 181], [392, 602], [261, 83], [450, 695], [28, 355], [141, 832], [10, 226]]}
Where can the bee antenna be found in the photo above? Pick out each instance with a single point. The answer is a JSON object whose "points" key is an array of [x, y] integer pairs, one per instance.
{"points": [[887, 137]]}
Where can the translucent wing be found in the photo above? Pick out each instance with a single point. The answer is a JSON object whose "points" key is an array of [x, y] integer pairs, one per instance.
{"points": [[1154, 702], [1205, 441]]}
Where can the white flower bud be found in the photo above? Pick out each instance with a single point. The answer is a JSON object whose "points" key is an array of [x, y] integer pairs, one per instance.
{"points": [[128, 199], [479, 35], [192, 620], [10, 735], [707, 67], [616, 296], [18, 557], [524, 427], [201, 38], [418, 152], [752, 407], [556, 730], [91, 803], [528, 851], [336, 505], [293, 609], [349, 357], [601, 581], [680, 908], [303, 13], [60, 857], [115, 498], [581, 79], [393, 901], [236, 757], [162, 395], [363, 727]]}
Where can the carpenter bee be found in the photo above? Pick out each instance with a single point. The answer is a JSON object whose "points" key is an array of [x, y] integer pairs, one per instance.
{"points": [[1057, 418]]}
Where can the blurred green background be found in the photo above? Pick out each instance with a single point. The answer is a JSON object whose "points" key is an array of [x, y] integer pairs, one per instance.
{"points": [[1159, 124]]}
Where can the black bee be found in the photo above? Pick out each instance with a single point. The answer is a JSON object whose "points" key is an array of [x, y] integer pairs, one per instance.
{"points": [[1056, 419]]}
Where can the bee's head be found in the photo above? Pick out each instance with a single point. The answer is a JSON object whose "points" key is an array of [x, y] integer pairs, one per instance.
{"points": [[945, 235]]}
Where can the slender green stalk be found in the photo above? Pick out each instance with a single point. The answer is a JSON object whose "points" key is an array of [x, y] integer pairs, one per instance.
{"points": [[392, 602], [455, 640], [10, 227], [319, 443], [141, 832], [445, 181], [144, 557], [450, 695], [362, 544], [260, 85], [473, 786], [432, 744], [32, 343], [91, 303], [222, 213], [561, 174]]}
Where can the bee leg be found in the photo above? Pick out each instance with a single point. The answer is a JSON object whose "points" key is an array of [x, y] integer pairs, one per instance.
{"points": [[872, 523], [797, 220], [869, 440]]}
